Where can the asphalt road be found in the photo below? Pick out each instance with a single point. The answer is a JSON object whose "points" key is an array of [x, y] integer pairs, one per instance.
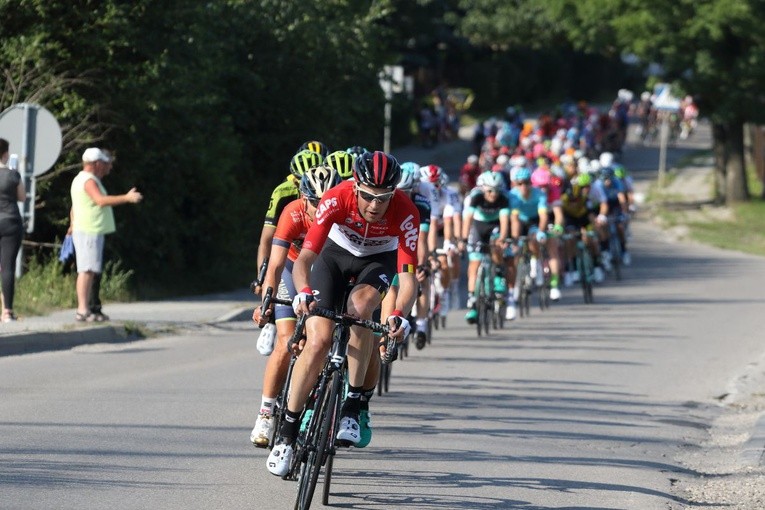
{"points": [[581, 407]]}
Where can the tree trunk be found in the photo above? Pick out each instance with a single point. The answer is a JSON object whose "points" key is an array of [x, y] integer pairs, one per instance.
{"points": [[736, 189], [719, 138]]}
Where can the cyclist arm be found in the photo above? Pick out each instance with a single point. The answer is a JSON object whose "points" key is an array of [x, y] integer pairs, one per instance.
{"points": [[276, 205], [273, 275], [264, 248], [623, 202], [515, 224], [432, 237], [504, 224], [457, 218], [467, 222], [543, 218], [407, 292], [542, 211], [301, 270]]}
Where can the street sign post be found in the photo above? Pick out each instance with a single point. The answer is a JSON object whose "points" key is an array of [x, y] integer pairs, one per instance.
{"points": [[391, 81], [665, 104], [35, 134]]}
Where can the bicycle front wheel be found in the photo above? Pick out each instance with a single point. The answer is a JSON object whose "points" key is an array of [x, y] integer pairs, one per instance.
{"points": [[309, 474]]}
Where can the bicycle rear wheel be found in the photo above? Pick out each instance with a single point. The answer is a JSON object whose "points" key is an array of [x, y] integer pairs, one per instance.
{"points": [[488, 310], [585, 267]]}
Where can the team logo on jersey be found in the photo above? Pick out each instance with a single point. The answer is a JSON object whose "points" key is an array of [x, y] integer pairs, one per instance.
{"points": [[410, 232], [324, 207]]}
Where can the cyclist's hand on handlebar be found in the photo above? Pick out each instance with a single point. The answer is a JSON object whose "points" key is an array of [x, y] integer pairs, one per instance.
{"points": [[399, 326], [303, 301], [541, 236], [422, 273], [260, 318], [461, 246]]}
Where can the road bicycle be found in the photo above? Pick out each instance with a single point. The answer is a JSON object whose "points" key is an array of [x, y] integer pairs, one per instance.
{"points": [[524, 284], [484, 289], [316, 443], [543, 291], [615, 245], [583, 262]]}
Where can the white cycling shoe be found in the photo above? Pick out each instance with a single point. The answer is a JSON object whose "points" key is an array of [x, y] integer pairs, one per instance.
{"points": [[555, 294], [279, 460], [349, 430], [510, 310], [261, 434]]}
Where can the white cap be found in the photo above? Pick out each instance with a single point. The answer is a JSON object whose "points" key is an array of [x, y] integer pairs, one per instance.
{"points": [[94, 154]]}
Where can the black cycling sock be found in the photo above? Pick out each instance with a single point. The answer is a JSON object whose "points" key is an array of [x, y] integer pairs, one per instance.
{"points": [[352, 403], [290, 426]]}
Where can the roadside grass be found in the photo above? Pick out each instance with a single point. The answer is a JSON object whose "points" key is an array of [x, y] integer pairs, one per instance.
{"points": [[743, 230], [740, 227], [44, 286]]}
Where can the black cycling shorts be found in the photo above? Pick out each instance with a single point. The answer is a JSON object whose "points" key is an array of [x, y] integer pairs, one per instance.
{"points": [[578, 223], [335, 267], [529, 227]]}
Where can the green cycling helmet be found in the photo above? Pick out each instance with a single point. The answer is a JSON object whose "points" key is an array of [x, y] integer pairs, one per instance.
{"points": [[304, 160], [342, 162]]}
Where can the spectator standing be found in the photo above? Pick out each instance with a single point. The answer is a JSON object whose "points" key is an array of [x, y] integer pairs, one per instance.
{"points": [[11, 228], [92, 218]]}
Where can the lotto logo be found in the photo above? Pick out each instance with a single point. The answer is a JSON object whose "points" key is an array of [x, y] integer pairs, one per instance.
{"points": [[410, 232]]}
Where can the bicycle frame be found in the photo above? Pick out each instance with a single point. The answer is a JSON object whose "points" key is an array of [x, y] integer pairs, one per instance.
{"points": [[318, 444]]}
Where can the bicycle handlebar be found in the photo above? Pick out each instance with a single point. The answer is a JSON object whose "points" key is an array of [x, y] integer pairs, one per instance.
{"points": [[261, 276], [268, 300], [350, 320]]}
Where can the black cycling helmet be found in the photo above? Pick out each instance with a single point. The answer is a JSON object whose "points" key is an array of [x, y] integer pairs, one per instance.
{"points": [[377, 170], [316, 146], [356, 150], [607, 173]]}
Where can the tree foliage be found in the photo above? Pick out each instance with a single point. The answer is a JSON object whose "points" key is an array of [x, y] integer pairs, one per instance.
{"points": [[204, 104], [712, 49]]}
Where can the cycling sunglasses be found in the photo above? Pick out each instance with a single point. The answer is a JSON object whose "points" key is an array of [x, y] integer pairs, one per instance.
{"points": [[313, 201], [523, 182], [370, 197]]}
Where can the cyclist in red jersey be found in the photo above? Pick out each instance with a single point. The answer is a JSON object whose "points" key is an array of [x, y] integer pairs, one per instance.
{"points": [[288, 239], [367, 230]]}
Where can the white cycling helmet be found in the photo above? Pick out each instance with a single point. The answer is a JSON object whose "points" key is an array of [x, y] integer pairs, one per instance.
{"points": [[407, 181], [491, 180], [606, 159]]}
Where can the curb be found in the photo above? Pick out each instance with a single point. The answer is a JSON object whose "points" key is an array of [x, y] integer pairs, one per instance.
{"points": [[40, 341]]}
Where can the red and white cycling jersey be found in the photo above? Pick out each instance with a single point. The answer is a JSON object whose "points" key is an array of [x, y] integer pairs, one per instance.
{"points": [[338, 218]]}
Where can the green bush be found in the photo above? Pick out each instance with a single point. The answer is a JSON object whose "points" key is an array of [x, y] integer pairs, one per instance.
{"points": [[45, 286]]}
